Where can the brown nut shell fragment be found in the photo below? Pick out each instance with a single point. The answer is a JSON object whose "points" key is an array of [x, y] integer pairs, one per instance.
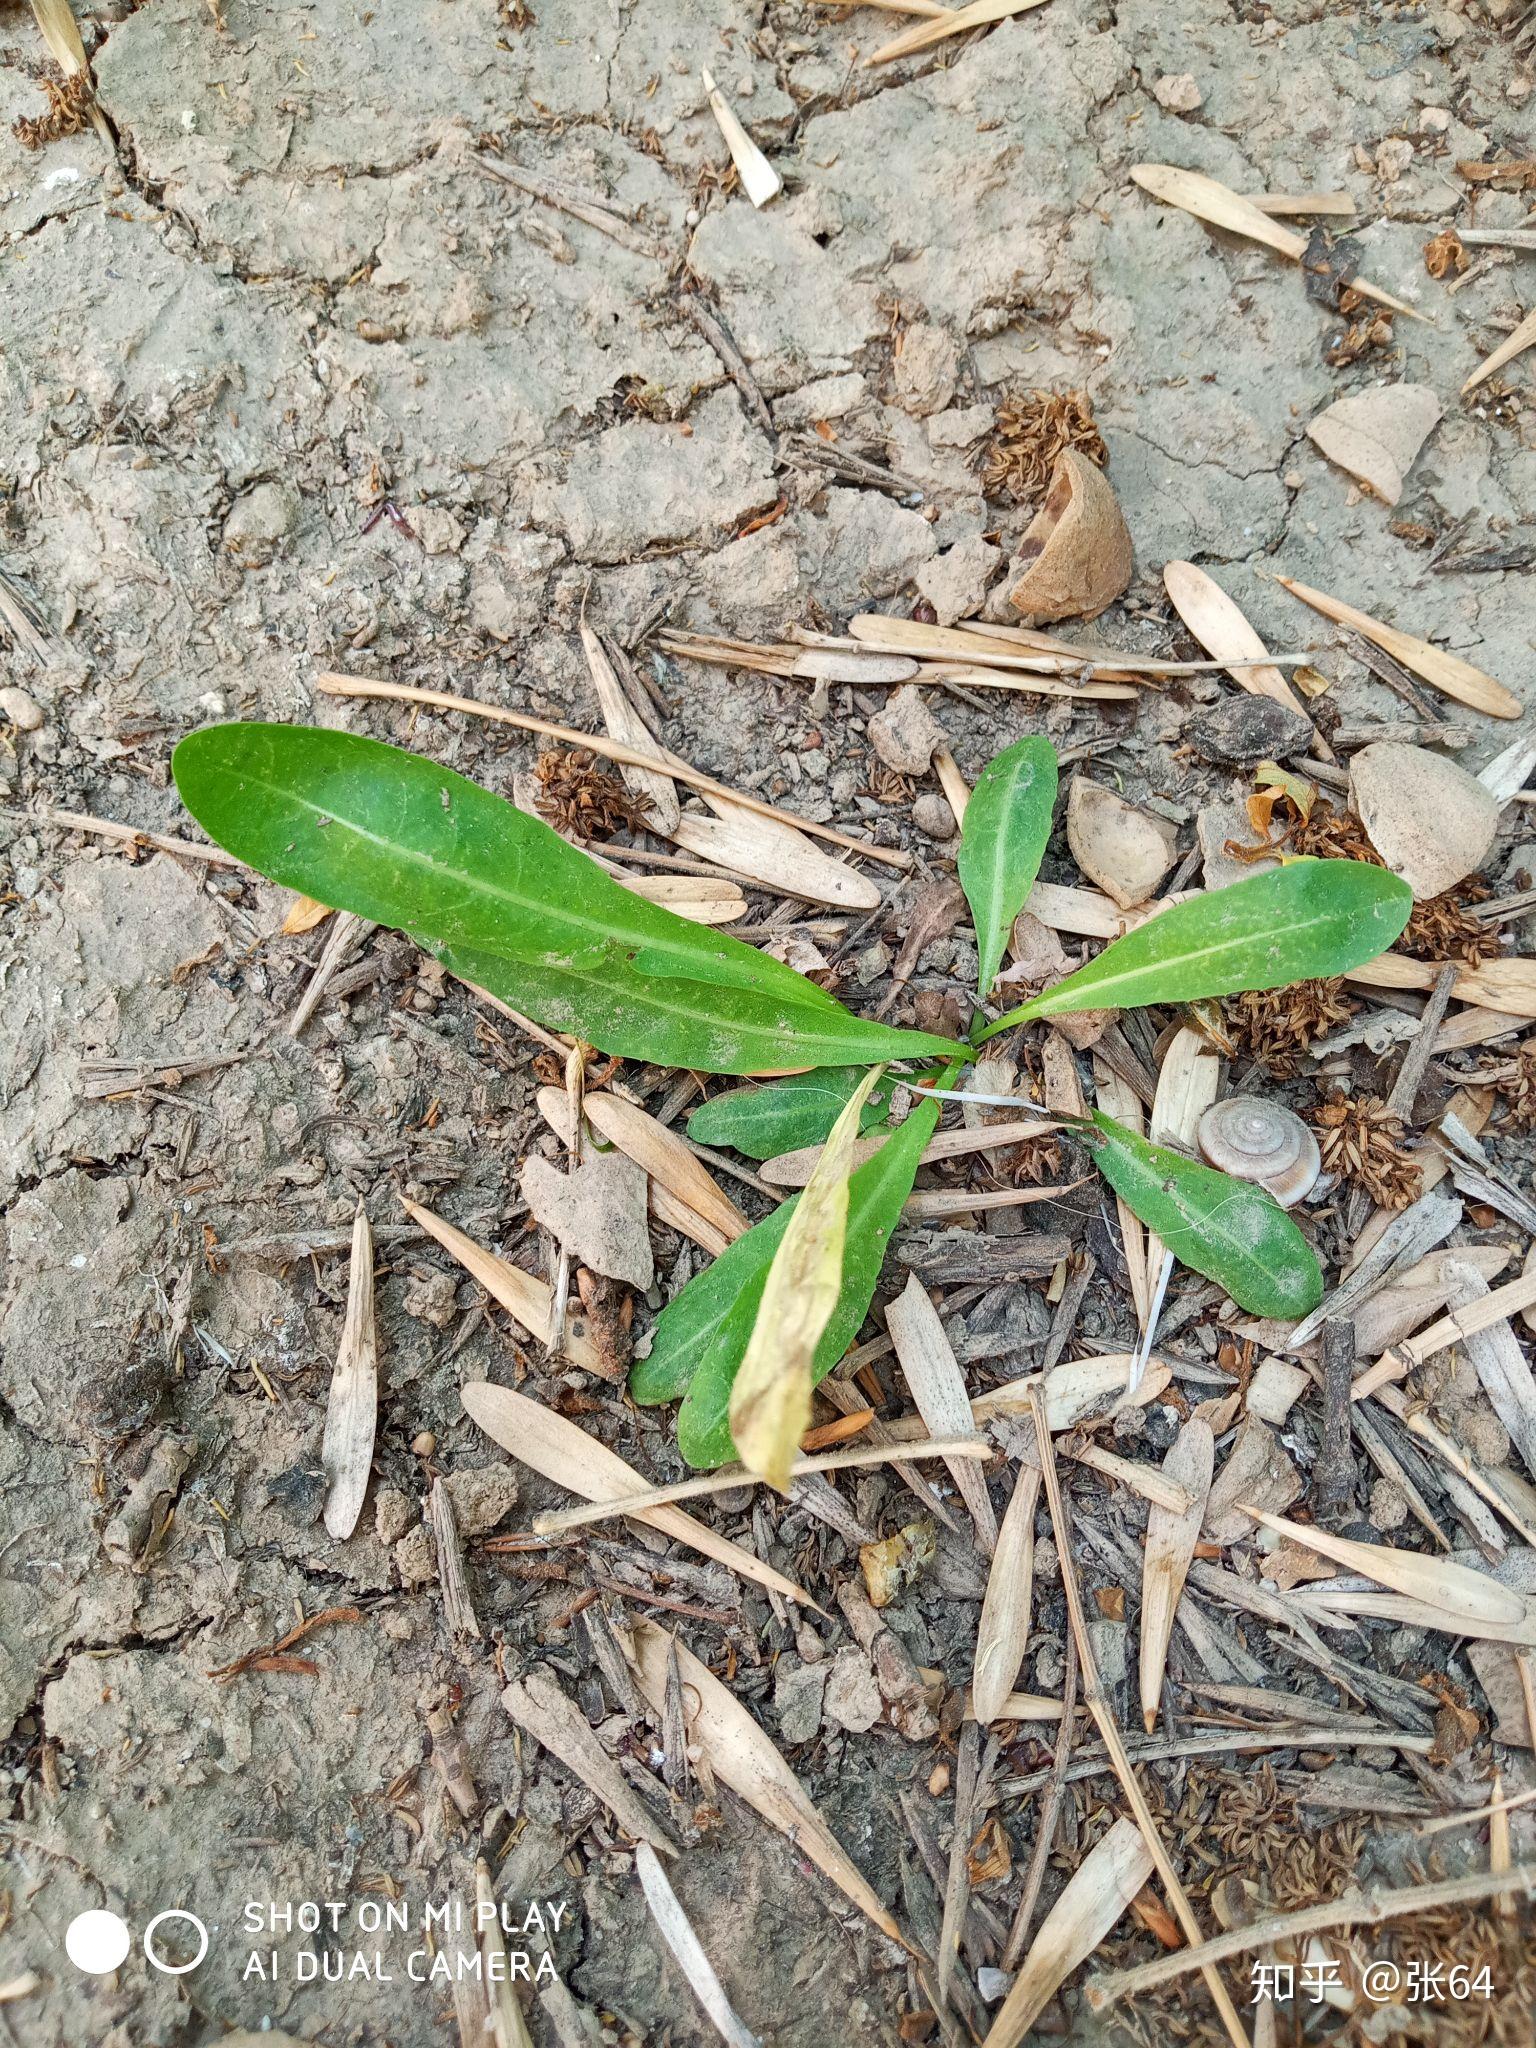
{"points": [[1076, 554]]}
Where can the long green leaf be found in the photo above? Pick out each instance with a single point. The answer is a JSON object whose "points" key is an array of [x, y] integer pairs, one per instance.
{"points": [[502, 900], [1002, 842], [701, 1337], [784, 1116], [1233, 1232], [1301, 922]]}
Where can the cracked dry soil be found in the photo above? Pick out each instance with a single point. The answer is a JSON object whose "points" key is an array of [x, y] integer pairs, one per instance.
{"points": [[294, 295]]}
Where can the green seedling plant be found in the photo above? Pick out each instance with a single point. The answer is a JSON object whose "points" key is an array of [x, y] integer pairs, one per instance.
{"points": [[506, 903]]}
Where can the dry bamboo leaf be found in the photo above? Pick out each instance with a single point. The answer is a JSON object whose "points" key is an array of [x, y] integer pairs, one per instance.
{"points": [[776, 855], [1095, 1897], [759, 180], [1495, 1355], [508, 2027], [938, 1387], [1445, 672], [625, 723], [974, 675], [529, 1302], [1187, 1083], [568, 1457], [676, 1930], [663, 1154], [794, 1169], [1171, 1541], [1222, 630], [1076, 1391], [304, 913], [1153, 1485], [988, 648], [1117, 1098], [352, 1411], [1468, 1600], [538, 1704], [1522, 338], [770, 1401], [699, 898], [1022, 1706], [458, 1608], [954, 22], [741, 1755], [1002, 1635], [1209, 200], [1506, 985], [676, 1215]]}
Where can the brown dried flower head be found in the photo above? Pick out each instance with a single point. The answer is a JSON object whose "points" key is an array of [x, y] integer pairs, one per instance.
{"points": [[1031, 428], [576, 796], [1276, 1026], [1363, 1142]]}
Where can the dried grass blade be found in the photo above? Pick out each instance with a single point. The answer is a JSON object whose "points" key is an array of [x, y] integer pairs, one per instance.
{"points": [[699, 898], [938, 1387], [1222, 630], [1209, 200], [1152, 1484], [1445, 672], [1171, 1540], [1081, 1388], [759, 180], [973, 676], [1462, 1323], [458, 1608], [675, 1929], [625, 723], [1002, 1635], [540, 1706], [1096, 1895], [770, 1401], [1187, 1084], [508, 2027], [978, 15], [794, 1169], [742, 1756], [568, 1457], [528, 1301], [1117, 1098], [352, 1411], [775, 855], [1523, 338], [663, 1154], [1466, 1597], [1500, 1364]]}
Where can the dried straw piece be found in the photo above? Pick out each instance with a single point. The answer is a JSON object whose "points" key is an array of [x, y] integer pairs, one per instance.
{"points": [[1002, 1635], [953, 22], [352, 1410], [743, 1757], [675, 1929], [1515, 344], [1444, 672], [458, 1608], [539, 1705], [529, 1302], [61, 33], [938, 1387], [1171, 1540], [1094, 1898], [568, 1457], [759, 180], [1209, 200]]}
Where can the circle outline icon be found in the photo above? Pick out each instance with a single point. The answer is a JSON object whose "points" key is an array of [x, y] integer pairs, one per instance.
{"points": [[97, 1942], [174, 1969]]}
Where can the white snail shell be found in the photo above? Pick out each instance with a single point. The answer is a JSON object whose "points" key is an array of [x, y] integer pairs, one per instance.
{"points": [[1255, 1139]]}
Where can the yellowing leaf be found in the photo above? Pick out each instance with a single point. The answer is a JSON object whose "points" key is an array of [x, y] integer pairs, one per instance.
{"points": [[304, 914], [771, 1397]]}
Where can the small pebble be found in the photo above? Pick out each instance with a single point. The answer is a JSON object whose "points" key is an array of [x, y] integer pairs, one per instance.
{"points": [[933, 817], [425, 1444], [20, 710]]}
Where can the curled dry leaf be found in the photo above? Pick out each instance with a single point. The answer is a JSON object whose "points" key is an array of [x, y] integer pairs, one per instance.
{"points": [[743, 1757], [568, 1457], [1098, 1892], [1002, 1635], [1171, 1540], [770, 1404], [1431, 822], [1376, 434], [1076, 554], [352, 1411], [1125, 850]]}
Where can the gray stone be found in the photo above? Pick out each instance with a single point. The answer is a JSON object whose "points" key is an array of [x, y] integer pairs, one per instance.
{"points": [[955, 583], [20, 710], [852, 1698], [906, 732], [926, 369], [797, 1698], [1244, 730], [259, 521], [933, 817]]}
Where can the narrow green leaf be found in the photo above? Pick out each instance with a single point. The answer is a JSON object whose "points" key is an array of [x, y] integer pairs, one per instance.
{"points": [[1002, 842], [1232, 1231], [1301, 922], [502, 900], [783, 1116], [770, 1405], [701, 1337]]}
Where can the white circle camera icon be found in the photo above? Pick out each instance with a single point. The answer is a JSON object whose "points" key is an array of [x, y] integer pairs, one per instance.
{"points": [[97, 1942], [175, 1969]]}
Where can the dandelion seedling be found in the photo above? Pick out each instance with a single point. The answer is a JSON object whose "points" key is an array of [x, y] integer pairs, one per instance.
{"points": [[503, 901]]}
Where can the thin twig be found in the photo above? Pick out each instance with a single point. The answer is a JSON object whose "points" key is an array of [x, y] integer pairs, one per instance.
{"points": [[1098, 1706], [1355, 1909], [1050, 1806], [334, 685]]}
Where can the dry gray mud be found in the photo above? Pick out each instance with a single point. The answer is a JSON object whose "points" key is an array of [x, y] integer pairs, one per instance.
{"points": [[292, 295]]}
